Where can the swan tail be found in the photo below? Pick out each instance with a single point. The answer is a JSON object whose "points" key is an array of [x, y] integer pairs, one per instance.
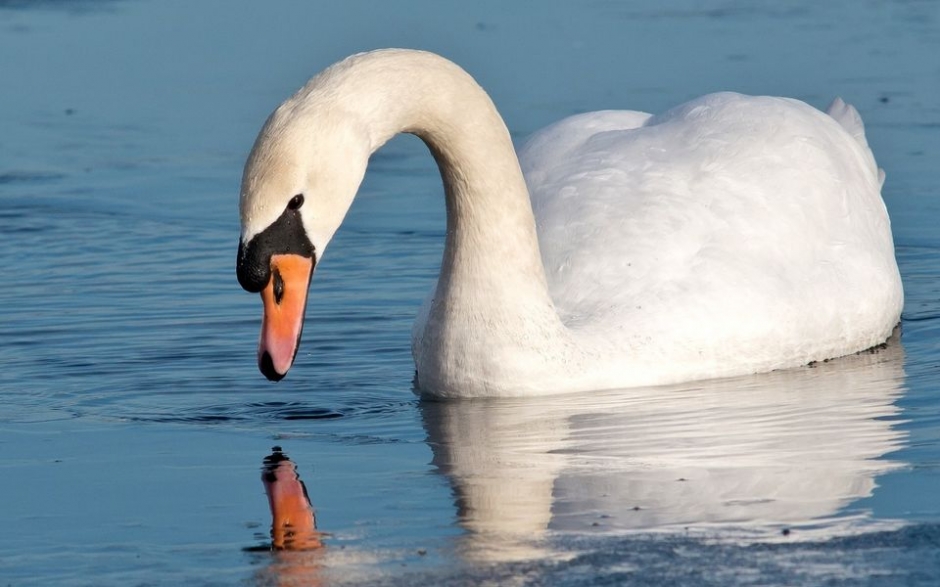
{"points": [[847, 116]]}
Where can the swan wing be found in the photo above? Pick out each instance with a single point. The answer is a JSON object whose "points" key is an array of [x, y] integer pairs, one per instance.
{"points": [[728, 222]]}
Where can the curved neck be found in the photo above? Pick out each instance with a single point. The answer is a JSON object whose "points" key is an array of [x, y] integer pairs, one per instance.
{"points": [[492, 298], [490, 225], [491, 243]]}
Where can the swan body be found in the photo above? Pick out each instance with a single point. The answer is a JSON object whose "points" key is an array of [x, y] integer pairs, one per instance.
{"points": [[729, 235]]}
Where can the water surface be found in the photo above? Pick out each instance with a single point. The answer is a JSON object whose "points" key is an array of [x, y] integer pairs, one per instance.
{"points": [[134, 421]]}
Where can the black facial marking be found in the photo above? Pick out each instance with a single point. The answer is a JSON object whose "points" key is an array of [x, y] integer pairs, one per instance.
{"points": [[285, 235]]}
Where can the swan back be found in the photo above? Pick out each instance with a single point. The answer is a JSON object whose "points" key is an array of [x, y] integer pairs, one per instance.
{"points": [[730, 230]]}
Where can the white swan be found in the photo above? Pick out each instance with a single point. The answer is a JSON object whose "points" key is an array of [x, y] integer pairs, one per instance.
{"points": [[730, 235]]}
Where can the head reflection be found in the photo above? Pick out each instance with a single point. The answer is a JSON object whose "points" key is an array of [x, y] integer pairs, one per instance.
{"points": [[293, 522], [787, 452], [295, 542]]}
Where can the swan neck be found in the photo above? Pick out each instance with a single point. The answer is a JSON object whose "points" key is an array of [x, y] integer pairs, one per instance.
{"points": [[490, 224], [490, 312]]}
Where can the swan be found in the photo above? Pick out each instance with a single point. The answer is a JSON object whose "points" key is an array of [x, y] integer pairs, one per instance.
{"points": [[730, 235]]}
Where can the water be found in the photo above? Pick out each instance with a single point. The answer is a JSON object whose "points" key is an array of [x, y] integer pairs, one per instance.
{"points": [[133, 419]]}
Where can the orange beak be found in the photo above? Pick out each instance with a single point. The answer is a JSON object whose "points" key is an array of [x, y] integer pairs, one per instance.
{"points": [[284, 299]]}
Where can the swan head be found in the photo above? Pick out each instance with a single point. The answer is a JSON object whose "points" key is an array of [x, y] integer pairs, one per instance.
{"points": [[299, 181]]}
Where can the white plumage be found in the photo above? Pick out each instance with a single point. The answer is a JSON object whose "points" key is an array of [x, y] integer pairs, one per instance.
{"points": [[732, 230]]}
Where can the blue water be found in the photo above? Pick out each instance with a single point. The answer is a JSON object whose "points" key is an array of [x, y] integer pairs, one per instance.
{"points": [[133, 420]]}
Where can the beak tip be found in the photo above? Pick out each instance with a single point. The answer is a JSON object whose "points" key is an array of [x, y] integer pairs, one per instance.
{"points": [[266, 365]]}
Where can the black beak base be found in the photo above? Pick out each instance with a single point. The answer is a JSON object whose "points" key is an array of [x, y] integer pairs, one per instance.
{"points": [[286, 235]]}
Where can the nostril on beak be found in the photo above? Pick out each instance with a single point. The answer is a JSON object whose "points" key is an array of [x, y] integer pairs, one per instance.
{"points": [[278, 287], [266, 365]]}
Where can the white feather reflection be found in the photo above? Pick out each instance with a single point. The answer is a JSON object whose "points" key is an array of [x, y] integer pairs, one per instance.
{"points": [[747, 456]]}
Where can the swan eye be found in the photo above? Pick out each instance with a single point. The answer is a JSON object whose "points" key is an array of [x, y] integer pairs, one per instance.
{"points": [[296, 202]]}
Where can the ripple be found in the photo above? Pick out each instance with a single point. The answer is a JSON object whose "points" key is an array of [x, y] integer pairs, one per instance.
{"points": [[363, 410], [29, 177]]}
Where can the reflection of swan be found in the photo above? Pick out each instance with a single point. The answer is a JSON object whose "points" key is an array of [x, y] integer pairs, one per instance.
{"points": [[729, 235], [293, 522], [502, 467], [789, 449], [295, 542]]}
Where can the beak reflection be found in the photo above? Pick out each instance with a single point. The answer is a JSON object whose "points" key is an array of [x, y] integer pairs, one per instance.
{"points": [[293, 521]]}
